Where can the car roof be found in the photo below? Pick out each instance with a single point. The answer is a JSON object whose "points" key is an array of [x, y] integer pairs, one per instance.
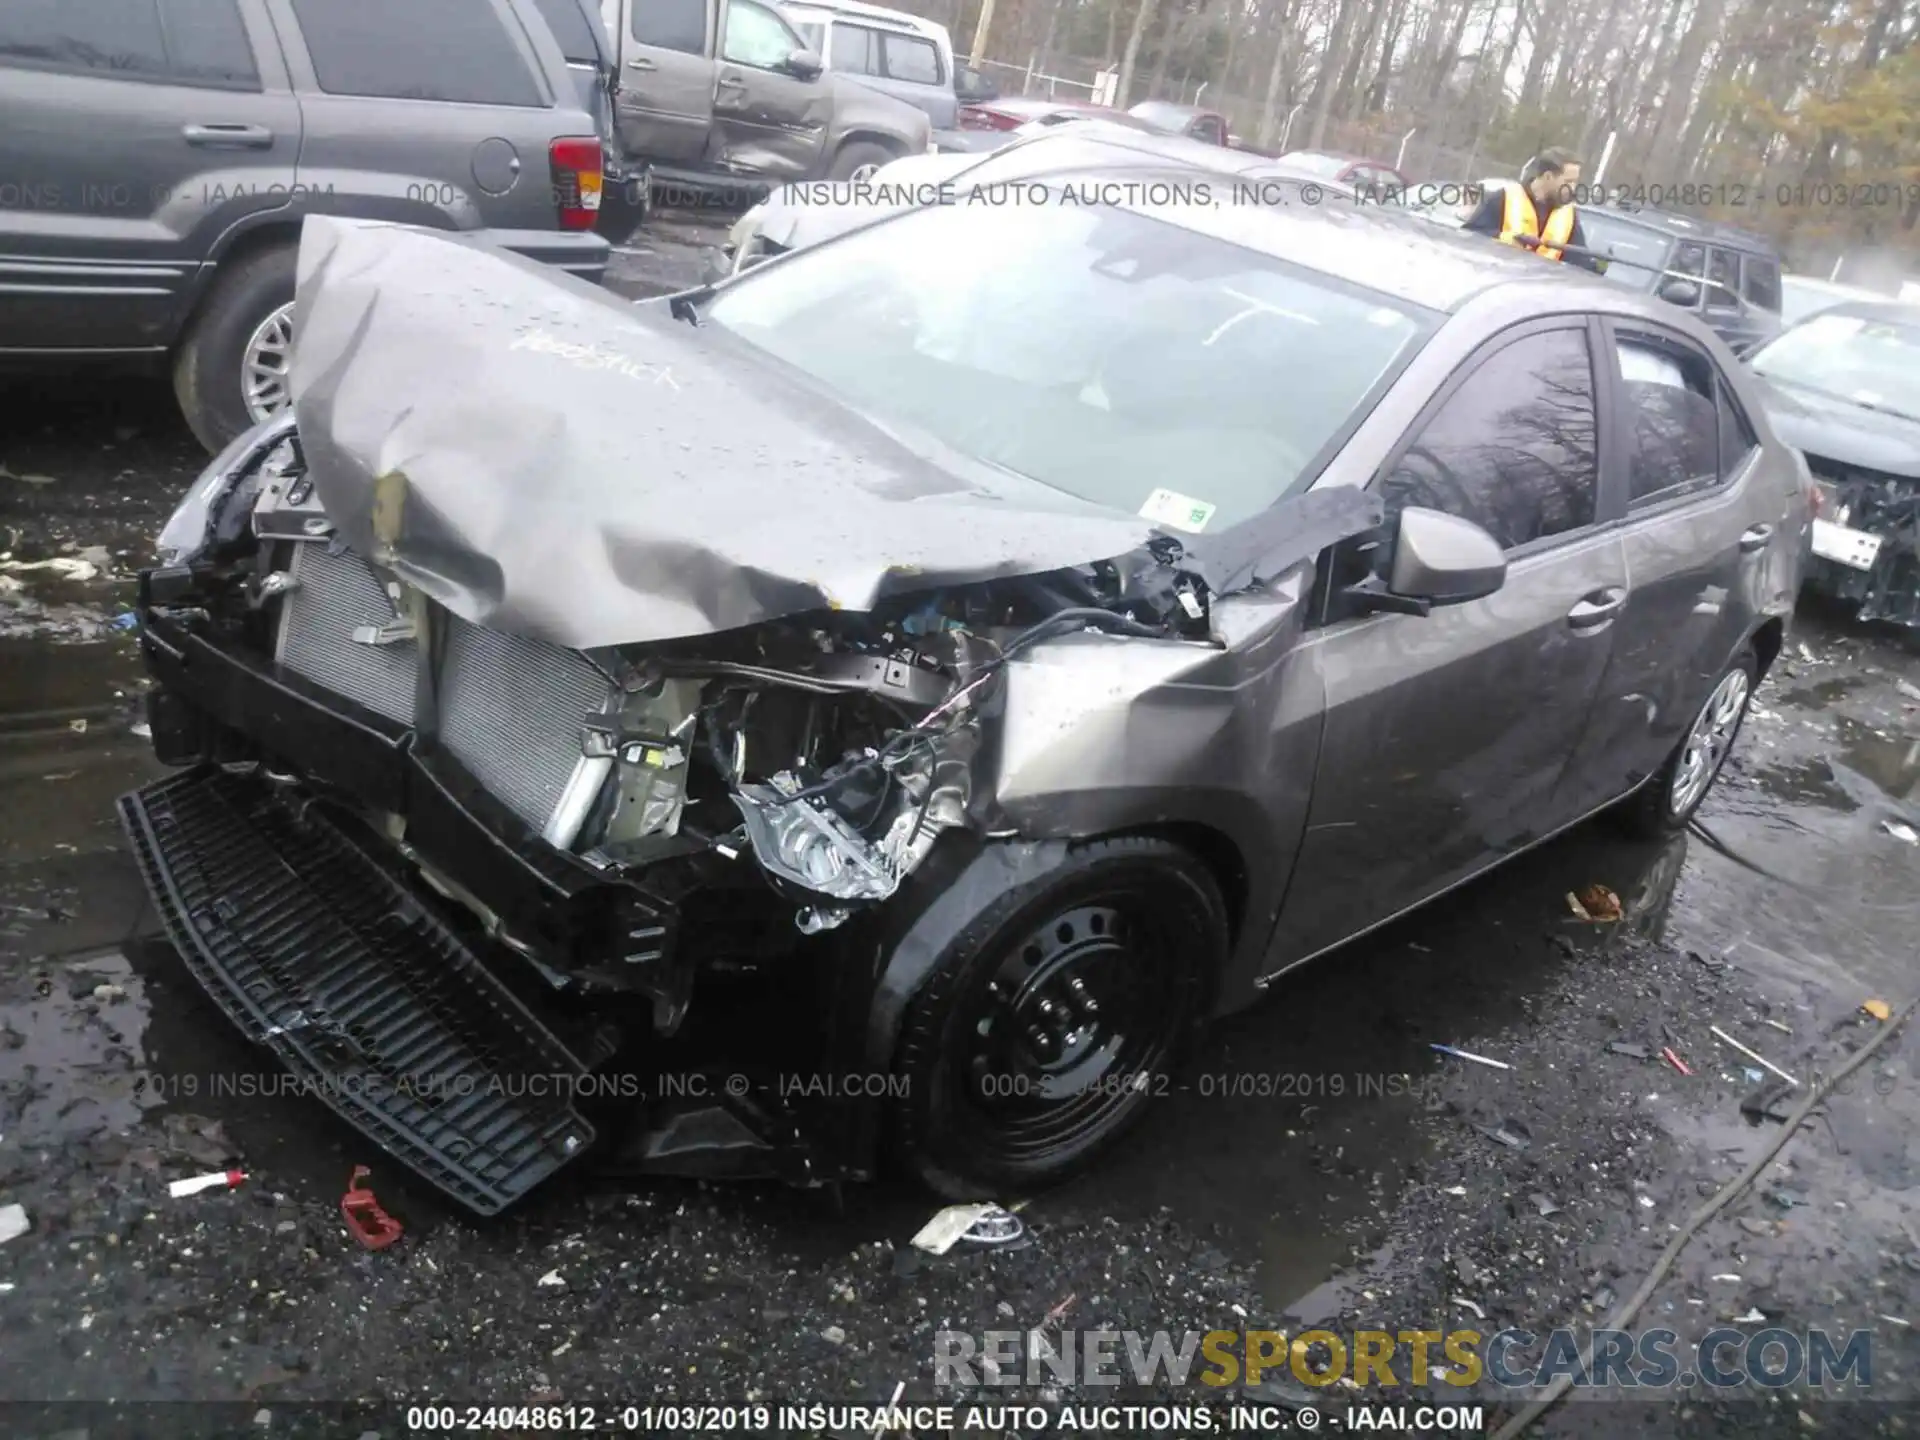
{"points": [[1170, 108], [856, 10], [1690, 227], [1373, 246]]}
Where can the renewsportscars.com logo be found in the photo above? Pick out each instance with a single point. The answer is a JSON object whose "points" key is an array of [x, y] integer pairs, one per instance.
{"points": [[1651, 1359]]}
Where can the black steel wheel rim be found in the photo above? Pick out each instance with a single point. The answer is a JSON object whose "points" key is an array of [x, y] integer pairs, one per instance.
{"points": [[1072, 1024]]}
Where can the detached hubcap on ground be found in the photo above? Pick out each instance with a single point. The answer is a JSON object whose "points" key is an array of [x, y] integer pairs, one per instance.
{"points": [[1072, 1024], [263, 365], [1708, 741]]}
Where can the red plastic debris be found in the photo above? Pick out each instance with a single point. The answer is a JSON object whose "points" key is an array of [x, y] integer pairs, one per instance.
{"points": [[366, 1221], [1676, 1061]]}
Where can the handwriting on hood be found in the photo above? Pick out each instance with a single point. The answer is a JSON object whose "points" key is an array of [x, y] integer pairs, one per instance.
{"points": [[593, 357]]}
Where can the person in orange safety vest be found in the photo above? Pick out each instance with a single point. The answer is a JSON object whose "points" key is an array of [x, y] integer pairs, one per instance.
{"points": [[1537, 210]]}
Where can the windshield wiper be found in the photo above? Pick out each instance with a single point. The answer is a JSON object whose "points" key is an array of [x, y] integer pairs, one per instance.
{"points": [[686, 305]]}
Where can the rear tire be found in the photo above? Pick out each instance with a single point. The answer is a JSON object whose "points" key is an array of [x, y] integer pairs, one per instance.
{"points": [[1669, 799], [208, 368], [858, 160], [1052, 1020]]}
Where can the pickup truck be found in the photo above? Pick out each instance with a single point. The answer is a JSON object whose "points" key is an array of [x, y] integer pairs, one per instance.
{"points": [[724, 96]]}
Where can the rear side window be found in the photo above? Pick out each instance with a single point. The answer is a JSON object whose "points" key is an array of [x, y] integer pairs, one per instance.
{"points": [[854, 50], [671, 24], [1676, 425], [1763, 283], [1737, 440], [908, 57], [1515, 449], [182, 42], [207, 43], [449, 50], [572, 29], [1723, 269]]}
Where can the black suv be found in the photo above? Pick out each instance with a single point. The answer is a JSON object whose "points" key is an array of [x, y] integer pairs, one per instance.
{"points": [[1735, 274], [157, 158]]}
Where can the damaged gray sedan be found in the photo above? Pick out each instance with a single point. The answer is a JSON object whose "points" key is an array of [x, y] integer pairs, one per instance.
{"points": [[878, 708]]}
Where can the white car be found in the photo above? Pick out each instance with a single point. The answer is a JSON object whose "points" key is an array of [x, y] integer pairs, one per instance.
{"points": [[805, 214]]}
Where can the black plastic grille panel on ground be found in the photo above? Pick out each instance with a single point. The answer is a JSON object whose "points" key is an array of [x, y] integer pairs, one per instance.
{"points": [[314, 949]]}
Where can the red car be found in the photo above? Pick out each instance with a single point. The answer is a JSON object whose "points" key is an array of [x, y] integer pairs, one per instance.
{"points": [[1012, 113]]}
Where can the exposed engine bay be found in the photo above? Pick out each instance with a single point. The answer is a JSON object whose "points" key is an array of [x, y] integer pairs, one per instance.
{"points": [[829, 751]]}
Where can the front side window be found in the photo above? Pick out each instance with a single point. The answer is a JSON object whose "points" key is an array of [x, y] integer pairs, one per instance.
{"points": [[447, 50], [1515, 448], [1209, 129], [757, 37], [908, 57], [1762, 281], [671, 25], [1126, 354], [1870, 362], [1669, 395]]}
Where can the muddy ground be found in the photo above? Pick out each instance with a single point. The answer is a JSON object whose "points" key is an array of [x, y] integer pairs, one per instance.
{"points": [[1322, 1164]]}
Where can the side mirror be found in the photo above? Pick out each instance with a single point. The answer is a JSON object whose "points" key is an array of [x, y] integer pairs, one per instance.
{"points": [[1438, 559], [1683, 293], [804, 64]]}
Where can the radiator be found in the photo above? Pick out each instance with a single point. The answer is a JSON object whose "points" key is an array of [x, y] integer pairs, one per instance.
{"points": [[510, 709], [332, 596]]}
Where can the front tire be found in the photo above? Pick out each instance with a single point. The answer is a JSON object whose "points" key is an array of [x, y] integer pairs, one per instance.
{"points": [[230, 372], [1052, 1019], [859, 160], [1668, 801]]}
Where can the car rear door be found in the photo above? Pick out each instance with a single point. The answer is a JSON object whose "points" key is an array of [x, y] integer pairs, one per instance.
{"points": [[1447, 734], [771, 123], [133, 134], [663, 108], [434, 112], [1697, 535]]}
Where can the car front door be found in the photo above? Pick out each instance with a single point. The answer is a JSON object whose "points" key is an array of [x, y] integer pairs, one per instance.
{"points": [[663, 109], [1697, 539], [133, 134], [771, 122], [1446, 734]]}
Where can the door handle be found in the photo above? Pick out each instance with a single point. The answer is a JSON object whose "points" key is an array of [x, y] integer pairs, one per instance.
{"points": [[730, 81], [1755, 537], [640, 62], [224, 136], [1596, 610]]}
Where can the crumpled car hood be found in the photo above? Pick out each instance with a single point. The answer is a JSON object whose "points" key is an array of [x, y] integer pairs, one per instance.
{"points": [[1841, 432], [542, 457]]}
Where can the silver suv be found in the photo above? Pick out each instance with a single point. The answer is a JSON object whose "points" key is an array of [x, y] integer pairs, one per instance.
{"points": [[157, 158]]}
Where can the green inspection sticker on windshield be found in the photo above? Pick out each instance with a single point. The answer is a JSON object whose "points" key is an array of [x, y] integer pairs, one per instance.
{"points": [[1182, 512]]}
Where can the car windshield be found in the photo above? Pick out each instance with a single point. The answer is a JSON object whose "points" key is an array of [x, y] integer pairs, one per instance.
{"points": [[1636, 254], [1870, 362], [1118, 358]]}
